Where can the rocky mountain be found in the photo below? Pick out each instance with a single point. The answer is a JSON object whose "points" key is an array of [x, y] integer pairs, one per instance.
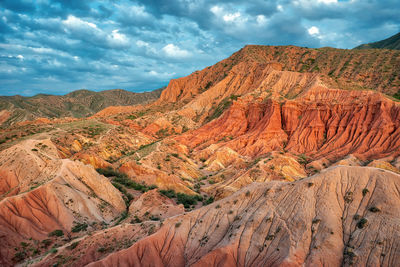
{"points": [[77, 104], [274, 156], [392, 42]]}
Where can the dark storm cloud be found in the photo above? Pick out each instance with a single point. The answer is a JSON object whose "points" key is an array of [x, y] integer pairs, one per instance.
{"points": [[55, 46]]}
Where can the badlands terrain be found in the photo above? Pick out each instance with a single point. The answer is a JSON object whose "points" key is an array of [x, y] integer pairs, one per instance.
{"points": [[275, 156]]}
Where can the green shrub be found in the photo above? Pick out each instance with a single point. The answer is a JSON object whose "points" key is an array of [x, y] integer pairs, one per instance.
{"points": [[208, 201], [365, 191], [109, 172], [46, 242], [124, 180], [79, 227], [361, 223], [168, 193], [154, 218], [102, 249], [136, 219], [188, 200], [56, 233], [19, 256], [302, 159], [374, 209], [73, 245]]}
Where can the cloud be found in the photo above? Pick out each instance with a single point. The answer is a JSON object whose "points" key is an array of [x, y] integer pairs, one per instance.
{"points": [[313, 30], [174, 51], [61, 45]]}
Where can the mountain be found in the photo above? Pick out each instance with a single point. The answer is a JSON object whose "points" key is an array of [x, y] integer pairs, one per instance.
{"points": [[274, 156], [78, 104], [392, 42]]}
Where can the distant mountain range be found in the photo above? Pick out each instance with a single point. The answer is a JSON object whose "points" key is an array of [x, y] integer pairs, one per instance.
{"points": [[80, 103], [392, 42]]}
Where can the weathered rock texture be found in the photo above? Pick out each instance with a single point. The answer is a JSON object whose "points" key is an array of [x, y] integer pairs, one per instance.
{"points": [[44, 193], [342, 216], [321, 122]]}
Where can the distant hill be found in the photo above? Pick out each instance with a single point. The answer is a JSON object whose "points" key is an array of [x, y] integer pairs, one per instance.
{"points": [[389, 43], [80, 103]]}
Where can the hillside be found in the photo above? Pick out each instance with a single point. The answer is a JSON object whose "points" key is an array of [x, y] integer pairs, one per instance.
{"points": [[333, 218], [392, 42], [78, 104], [274, 156]]}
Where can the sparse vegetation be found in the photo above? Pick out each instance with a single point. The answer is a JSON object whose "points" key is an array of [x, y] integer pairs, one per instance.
{"points": [[123, 179], [78, 227], [365, 192], [73, 245], [208, 201], [302, 159], [362, 223], [374, 209], [168, 193], [223, 105], [57, 232], [188, 200]]}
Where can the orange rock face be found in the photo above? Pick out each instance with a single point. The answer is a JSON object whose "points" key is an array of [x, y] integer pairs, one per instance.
{"points": [[322, 123]]}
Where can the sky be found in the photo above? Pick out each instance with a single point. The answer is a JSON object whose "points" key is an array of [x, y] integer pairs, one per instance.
{"points": [[55, 47]]}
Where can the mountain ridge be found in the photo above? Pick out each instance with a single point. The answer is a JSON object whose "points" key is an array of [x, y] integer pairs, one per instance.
{"points": [[392, 42], [79, 103]]}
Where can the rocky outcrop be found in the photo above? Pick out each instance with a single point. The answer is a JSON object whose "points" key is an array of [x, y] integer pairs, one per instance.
{"points": [[321, 123], [334, 218]]}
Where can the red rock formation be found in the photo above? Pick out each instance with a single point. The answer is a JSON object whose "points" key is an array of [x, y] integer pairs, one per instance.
{"points": [[322, 123]]}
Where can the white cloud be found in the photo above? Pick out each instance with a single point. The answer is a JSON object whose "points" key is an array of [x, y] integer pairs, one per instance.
{"points": [[313, 30], [279, 8], [327, 1], [174, 51], [231, 17], [141, 43], [216, 10], [161, 75], [261, 20], [118, 39], [73, 22], [310, 3], [20, 57]]}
